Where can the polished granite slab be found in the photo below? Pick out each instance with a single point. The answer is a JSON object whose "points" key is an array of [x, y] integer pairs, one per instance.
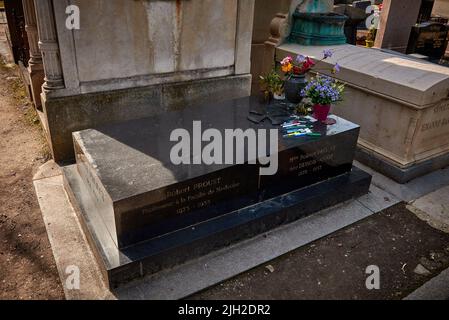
{"points": [[143, 213], [141, 194]]}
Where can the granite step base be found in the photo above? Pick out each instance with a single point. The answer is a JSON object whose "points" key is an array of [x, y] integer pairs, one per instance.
{"points": [[149, 257]]}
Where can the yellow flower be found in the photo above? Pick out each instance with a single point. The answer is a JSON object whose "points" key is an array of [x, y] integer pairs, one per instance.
{"points": [[287, 67]]}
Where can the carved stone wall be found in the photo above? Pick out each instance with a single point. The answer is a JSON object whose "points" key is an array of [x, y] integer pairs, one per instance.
{"points": [[48, 45], [134, 58], [35, 66]]}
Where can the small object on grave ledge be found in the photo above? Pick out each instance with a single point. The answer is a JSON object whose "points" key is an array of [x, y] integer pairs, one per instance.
{"points": [[299, 127], [256, 119], [274, 121], [271, 113], [314, 134]]}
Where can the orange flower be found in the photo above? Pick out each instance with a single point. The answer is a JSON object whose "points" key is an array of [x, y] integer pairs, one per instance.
{"points": [[287, 67]]}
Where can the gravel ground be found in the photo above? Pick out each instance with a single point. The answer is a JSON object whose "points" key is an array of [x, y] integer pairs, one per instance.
{"points": [[27, 267]]}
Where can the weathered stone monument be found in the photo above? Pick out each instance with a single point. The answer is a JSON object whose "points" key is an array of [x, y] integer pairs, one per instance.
{"points": [[131, 69], [400, 102], [396, 22]]}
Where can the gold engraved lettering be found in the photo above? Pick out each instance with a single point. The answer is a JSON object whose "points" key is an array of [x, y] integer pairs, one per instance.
{"points": [[206, 184], [311, 160], [177, 192], [196, 196], [303, 173]]}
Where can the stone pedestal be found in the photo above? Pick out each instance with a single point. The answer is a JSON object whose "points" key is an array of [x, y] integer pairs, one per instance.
{"points": [[268, 15], [37, 76]]}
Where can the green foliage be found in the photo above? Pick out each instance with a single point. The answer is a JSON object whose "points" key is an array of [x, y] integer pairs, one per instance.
{"points": [[272, 83], [371, 36]]}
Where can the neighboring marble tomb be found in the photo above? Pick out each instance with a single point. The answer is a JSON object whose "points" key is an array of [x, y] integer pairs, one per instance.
{"points": [[401, 104]]}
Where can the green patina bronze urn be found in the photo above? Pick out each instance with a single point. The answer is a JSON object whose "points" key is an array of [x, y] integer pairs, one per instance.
{"points": [[314, 26]]}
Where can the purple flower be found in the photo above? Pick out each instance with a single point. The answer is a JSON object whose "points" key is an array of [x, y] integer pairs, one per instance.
{"points": [[327, 53], [323, 90], [336, 69], [300, 58]]}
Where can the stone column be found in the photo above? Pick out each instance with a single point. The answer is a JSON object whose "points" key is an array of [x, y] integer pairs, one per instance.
{"points": [[279, 29], [35, 66], [268, 15], [396, 21], [48, 45], [245, 19]]}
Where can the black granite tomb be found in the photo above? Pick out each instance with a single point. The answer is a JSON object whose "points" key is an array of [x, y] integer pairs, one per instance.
{"points": [[142, 213], [429, 39]]}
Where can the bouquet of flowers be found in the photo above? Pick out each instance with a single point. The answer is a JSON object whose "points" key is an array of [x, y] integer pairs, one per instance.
{"points": [[295, 71], [303, 64], [323, 91]]}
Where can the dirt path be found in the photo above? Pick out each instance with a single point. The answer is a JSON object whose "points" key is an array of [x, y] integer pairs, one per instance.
{"points": [[27, 267], [334, 267]]}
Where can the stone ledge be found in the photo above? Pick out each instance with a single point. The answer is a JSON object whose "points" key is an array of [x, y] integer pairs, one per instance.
{"points": [[400, 175], [79, 112], [417, 82]]}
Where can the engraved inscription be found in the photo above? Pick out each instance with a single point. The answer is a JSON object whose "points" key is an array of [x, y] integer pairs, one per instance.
{"points": [[198, 195], [441, 108], [203, 199], [311, 162], [435, 124], [92, 183]]}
